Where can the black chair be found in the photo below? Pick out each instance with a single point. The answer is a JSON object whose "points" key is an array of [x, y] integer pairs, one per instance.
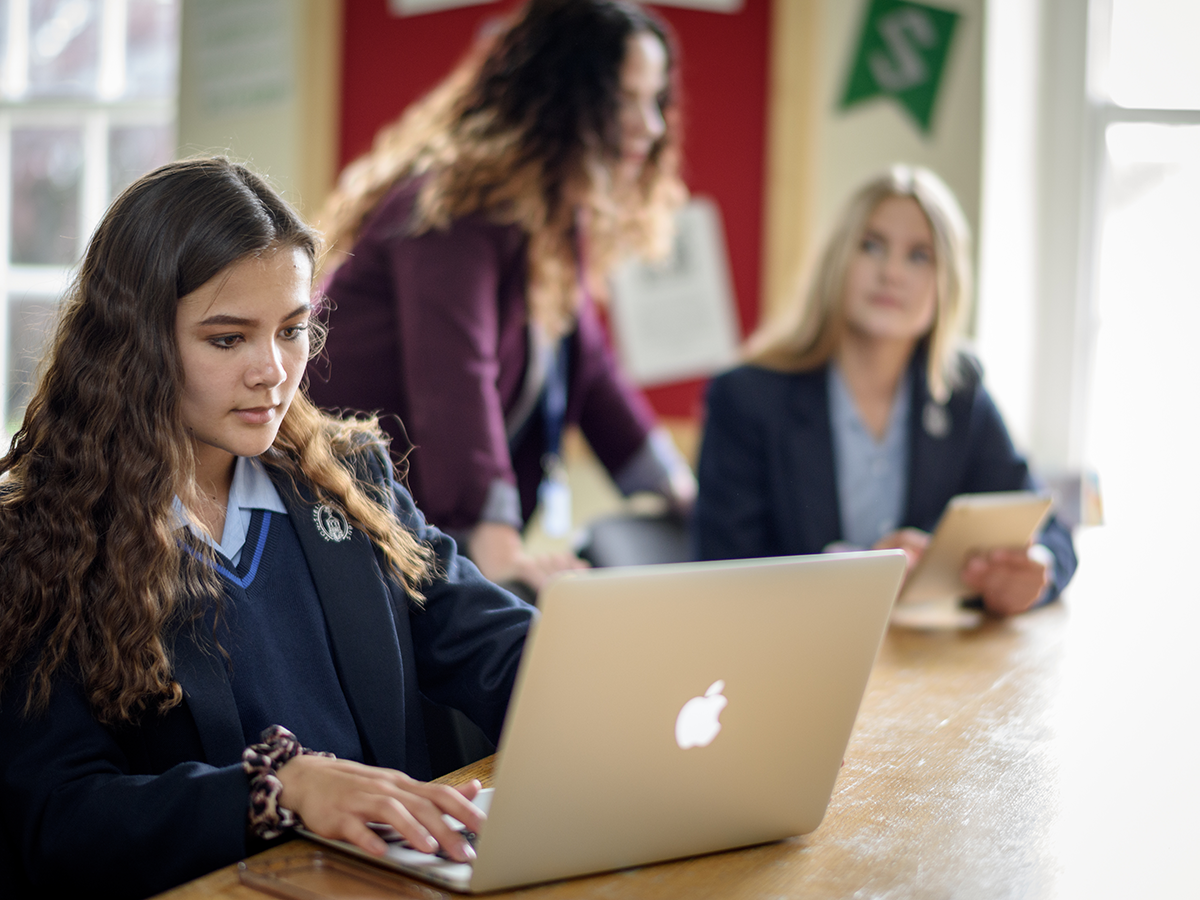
{"points": [[453, 740], [636, 539]]}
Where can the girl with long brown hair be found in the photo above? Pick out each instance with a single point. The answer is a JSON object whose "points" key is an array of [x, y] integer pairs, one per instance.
{"points": [[466, 250], [198, 570], [858, 416]]}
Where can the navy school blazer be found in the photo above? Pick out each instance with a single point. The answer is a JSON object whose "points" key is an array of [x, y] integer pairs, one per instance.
{"points": [[132, 810], [766, 470]]}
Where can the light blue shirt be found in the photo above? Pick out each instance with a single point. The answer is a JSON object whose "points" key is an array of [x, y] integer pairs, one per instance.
{"points": [[872, 475], [252, 489]]}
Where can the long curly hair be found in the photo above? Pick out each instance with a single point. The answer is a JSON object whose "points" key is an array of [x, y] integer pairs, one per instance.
{"points": [[526, 131], [810, 332], [93, 571]]}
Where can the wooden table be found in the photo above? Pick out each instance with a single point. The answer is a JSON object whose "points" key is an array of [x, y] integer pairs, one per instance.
{"points": [[1028, 758]]}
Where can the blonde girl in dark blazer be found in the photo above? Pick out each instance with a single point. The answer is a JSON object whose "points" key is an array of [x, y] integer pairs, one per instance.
{"points": [[859, 416]]}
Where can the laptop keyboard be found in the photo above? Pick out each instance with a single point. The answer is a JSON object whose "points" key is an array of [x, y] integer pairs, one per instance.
{"points": [[392, 836]]}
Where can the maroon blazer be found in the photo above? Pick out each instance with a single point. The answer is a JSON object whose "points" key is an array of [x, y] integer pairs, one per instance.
{"points": [[431, 330]]}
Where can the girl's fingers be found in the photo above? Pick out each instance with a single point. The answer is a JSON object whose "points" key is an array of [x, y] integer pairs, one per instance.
{"points": [[337, 798]]}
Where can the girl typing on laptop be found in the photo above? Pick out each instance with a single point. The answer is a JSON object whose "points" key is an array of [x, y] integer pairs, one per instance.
{"points": [[857, 419], [194, 560]]}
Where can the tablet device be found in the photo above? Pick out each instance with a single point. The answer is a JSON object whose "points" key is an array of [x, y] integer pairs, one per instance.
{"points": [[972, 522]]}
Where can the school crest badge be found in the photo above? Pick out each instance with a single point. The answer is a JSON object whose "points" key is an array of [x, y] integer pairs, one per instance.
{"points": [[332, 523], [936, 419]]}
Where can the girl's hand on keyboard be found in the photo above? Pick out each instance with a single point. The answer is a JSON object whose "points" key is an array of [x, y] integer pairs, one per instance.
{"points": [[336, 798]]}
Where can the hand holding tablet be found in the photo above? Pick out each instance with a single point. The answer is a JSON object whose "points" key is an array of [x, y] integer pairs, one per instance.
{"points": [[1010, 580], [981, 545]]}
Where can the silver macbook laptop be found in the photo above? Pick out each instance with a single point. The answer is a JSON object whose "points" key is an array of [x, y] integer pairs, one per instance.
{"points": [[667, 711]]}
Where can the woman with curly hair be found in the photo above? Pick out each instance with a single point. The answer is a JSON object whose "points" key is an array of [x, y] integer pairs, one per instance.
{"points": [[467, 247], [859, 416], [197, 567]]}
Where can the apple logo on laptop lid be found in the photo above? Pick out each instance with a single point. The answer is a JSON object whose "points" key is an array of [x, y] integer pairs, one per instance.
{"points": [[698, 721]]}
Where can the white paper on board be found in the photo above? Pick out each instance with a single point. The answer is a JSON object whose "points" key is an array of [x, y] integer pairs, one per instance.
{"points": [[676, 319], [725, 6], [417, 7]]}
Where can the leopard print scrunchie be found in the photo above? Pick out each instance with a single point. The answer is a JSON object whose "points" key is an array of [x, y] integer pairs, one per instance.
{"points": [[267, 819]]}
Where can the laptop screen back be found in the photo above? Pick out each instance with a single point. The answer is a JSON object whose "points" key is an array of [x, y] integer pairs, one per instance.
{"points": [[597, 771]]}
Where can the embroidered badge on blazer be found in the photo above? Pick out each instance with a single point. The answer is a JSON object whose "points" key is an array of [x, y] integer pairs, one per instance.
{"points": [[332, 523], [936, 419]]}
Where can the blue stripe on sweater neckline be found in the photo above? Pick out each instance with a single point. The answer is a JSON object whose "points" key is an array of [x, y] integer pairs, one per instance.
{"points": [[246, 581]]}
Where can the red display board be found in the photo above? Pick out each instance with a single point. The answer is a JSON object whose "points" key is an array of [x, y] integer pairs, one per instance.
{"points": [[389, 61]]}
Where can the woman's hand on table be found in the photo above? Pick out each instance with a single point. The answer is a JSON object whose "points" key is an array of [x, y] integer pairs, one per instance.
{"points": [[336, 798], [682, 492], [1010, 580], [912, 541], [499, 553]]}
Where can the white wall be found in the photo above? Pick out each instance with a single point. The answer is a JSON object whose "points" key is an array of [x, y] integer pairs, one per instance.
{"points": [[1008, 246], [1035, 312], [259, 82]]}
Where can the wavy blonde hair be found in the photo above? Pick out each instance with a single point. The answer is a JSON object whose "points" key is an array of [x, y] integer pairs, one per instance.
{"points": [[525, 131], [93, 571], [808, 334]]}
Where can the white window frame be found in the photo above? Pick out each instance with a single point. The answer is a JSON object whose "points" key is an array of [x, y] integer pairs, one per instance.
{"points": [[1103, 112], [1044, 184], [96, 118]]}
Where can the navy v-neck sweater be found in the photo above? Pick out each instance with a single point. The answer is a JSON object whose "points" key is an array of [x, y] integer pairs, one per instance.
{"points": [[281, 663]]}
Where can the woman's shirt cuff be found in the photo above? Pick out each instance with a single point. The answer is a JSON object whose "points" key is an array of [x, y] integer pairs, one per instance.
{"points": [[653, 467], [502, 505]]}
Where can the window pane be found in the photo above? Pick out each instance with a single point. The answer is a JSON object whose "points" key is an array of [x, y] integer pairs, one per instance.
{"points": [[1141, 433], [152, 48], [136, 150], [1153, 63], [64, 47], [30, 324], [3, 46], [47, 169]]}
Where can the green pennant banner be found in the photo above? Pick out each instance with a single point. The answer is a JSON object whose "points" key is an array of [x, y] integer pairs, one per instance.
{"points": [[901, 54]]}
